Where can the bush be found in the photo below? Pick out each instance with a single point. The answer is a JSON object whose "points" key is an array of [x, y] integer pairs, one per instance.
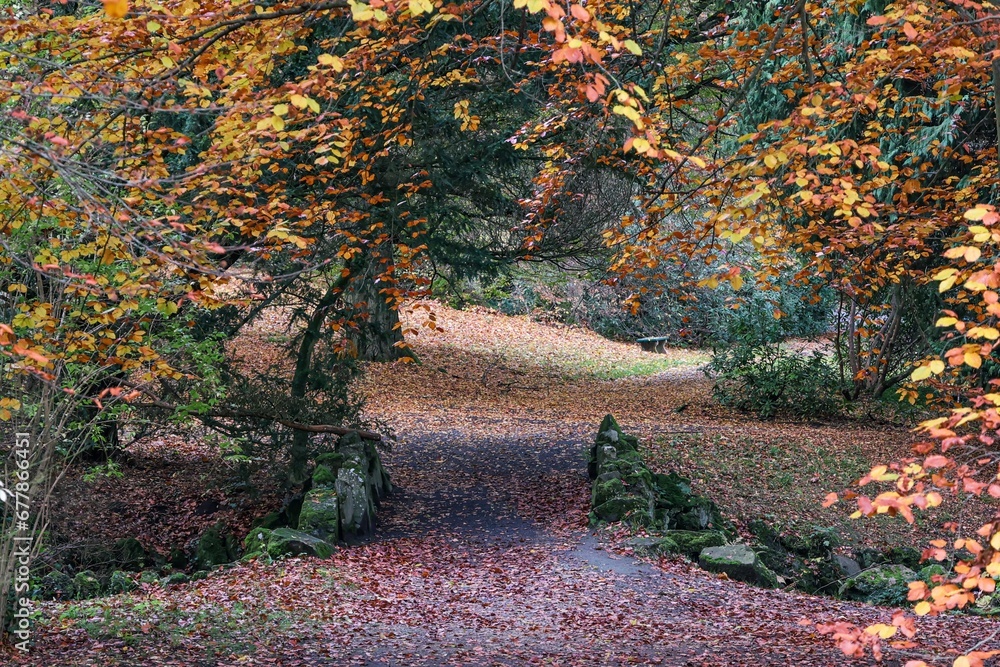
{"points": [[762, 378]]}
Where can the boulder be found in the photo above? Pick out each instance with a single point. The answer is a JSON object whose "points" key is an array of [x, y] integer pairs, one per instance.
{"points": [[849, 566], [86, 585], [56, 584], [215, 547], [691, 543], [652, 546], [175, 578], [356, 505], [320, 514], [120, 582], [323, 477], [288, 542], [130, 555], [270, 521], [883, 584], [738, 562], [148, 577]]}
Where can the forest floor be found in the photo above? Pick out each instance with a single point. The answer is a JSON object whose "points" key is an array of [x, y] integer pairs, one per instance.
{"points": [[483, 555]]}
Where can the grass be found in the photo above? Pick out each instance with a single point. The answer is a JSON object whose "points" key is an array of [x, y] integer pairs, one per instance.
{"points": [[784, 480]]}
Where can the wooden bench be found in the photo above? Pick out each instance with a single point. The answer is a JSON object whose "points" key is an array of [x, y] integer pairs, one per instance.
{"points": [[653, 344]]}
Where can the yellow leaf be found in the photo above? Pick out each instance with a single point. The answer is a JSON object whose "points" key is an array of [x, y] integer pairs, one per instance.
{"points": [[116, 9], [921, 373], [299, 102], [976, 213], [361, 12], [937, 366], [332, 61], [922, 608], [945, 322], [418, 7], [280, 109], [770, 161], [632, 47], [973, 359], [153, 26], [882, 630], [961, 661], [277, 123], [995, 541]]}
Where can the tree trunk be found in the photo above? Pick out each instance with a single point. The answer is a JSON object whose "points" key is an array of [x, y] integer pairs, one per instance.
{"points": [[378, 328]]}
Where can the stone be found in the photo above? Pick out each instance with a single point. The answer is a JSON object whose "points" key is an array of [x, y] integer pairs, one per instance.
{"points": [[130, 555], [120, 582], [56, 585], [86, 585], [288, 542], [738, 562], [323, 476], [356, 508], [849, 566], [652, 546], [148, 577], [884, 585], [320, 514], [175, 578], [214, 547], [691, 543], [255, 543]]}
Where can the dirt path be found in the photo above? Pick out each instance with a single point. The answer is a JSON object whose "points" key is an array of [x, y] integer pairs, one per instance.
{"points": [[483, 556]]}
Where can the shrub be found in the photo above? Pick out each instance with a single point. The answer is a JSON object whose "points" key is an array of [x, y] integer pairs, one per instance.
{"points": [[762, 378]]}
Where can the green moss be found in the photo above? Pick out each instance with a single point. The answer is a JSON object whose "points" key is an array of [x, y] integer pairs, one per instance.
{"points": [[691, 543], [323, 476], [120, 582], [86, 585], [320, 515]]}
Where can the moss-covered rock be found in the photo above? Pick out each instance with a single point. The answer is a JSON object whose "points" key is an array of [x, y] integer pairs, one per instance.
{"points": [[691, 543], [652, 546], [883, 585], [323, 476], [130, 555], [120, 582], [215, 547], [56, 585], [357, 507], [287, 542], [86, 585], [738, 562], [255, 543], [175, 578], [320, 515], [149, 577]]}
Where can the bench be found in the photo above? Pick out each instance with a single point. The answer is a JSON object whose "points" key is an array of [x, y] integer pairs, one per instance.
{"points": [[653, 344]]}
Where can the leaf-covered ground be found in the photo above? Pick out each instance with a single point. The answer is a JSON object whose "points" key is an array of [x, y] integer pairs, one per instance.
{"points": [[483, 557]]}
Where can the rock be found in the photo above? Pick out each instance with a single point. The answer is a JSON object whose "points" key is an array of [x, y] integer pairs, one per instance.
{"points": [[883, 585], [255, 543], [148, 577], [56, 585], [288, 542], [175, 578], [130, 555], [215, 547], [320, 514], [652, 546], [849, 566], [323, 476], [691, 543], [356, 507], [120, 582], [86, 585], [738, 562], [178, 559]]}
